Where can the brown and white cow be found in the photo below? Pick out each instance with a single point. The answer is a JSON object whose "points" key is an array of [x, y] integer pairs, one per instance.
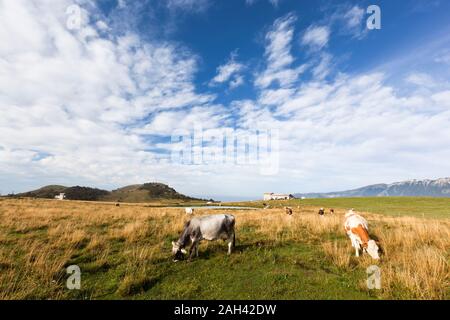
{"points": [[357, 230]]}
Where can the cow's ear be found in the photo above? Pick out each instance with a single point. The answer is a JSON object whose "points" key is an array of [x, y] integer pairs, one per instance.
{"points": [[183, 251]]}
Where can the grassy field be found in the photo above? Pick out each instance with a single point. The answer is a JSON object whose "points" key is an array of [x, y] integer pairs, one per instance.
{"points": [[124, 253], [156, 203], [422, 207]]}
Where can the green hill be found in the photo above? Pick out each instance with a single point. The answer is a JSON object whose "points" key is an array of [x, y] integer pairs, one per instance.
{"points": [[146, 192], [47, 192], [84, 193]]}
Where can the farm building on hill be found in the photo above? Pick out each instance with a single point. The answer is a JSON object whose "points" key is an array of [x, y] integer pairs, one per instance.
{"points": [[60, 196], [277, 196]]}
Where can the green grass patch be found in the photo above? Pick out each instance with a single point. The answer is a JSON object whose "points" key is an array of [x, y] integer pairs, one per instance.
{"points": [[423, 207]]}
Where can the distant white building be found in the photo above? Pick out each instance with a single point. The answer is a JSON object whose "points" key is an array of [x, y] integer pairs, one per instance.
{"points": [[277, 196], [60, 196]]}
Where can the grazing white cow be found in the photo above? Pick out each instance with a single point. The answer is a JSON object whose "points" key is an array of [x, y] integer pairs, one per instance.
{"points": [[189, 210], [213, 227], [357, 230]]}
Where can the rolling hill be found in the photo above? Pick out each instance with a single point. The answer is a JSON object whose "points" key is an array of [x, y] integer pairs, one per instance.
{"points": [[410, 188], [133, 193], [47, 192], [144, 193]]}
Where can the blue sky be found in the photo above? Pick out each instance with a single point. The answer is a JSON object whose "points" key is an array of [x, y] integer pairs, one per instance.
{"points": [[99, 102]]}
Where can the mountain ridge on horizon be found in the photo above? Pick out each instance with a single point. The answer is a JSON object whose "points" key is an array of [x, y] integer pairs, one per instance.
{"points": [[409, 188]]}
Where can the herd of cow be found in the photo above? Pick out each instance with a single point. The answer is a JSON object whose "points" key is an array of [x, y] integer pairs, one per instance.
{"points": [[222, 226]]}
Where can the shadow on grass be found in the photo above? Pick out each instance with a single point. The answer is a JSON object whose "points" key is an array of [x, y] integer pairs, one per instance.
{"points": [[137, 286]]}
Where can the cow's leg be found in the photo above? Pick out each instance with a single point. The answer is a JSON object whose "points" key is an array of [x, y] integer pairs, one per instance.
{"points": [[231, 242], [196, 249], [193, 248], [191, 251], [355, 245], [357, 248]]}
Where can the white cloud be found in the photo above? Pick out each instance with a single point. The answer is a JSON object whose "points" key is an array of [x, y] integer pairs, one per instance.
{"points": [[316, 37], [166, 122], [442, 99], [357, 130], [72, 101], [229, 72], [78, 107], [236, 82], [279, 42], [224, 72], [421, 79], [101, 25], [354, 22], [323, 69], [278, 55], [354, 17], [121, 3], [349, 20], [443, 57], [275, 96]]}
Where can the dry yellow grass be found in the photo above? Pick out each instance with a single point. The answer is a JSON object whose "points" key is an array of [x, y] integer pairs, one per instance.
{"points": [[39, 238]]}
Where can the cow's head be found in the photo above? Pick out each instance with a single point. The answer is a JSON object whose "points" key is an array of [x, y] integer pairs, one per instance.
{"points": [[177, 251], [372, 249]]}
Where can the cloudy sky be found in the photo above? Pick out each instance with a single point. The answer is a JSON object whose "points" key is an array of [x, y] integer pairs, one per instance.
{"points": [[94, 92]]}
